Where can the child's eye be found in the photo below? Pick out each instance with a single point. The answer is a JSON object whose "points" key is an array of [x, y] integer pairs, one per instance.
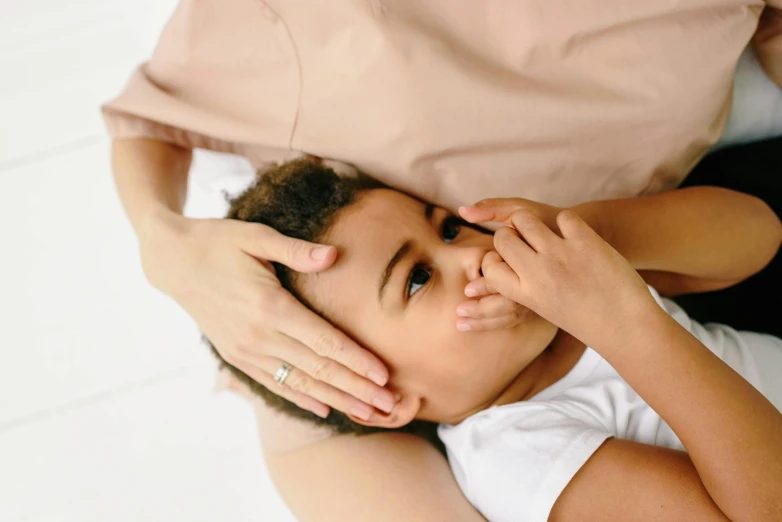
{"points": [[419, 276], [451, 227]]}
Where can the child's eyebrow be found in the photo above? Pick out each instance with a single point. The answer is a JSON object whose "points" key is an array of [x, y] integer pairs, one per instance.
{"points": [[386, 276], [400, 254]]}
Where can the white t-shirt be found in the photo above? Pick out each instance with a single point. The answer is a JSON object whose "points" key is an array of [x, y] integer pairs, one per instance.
{"points": [[513, 461]]}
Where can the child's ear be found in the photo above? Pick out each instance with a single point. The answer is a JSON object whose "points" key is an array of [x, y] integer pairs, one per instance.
{"points": [[403, 413]]}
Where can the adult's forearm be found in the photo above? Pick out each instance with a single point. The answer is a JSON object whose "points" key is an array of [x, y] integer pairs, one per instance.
{"points": [[731, 432], [151, 179]]}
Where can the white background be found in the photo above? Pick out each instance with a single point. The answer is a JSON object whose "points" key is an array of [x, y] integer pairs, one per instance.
{"points": [[107, 402]]}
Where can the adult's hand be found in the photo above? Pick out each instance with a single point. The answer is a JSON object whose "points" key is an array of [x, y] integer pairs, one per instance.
{"points": [[220, 272], [489, 310]]}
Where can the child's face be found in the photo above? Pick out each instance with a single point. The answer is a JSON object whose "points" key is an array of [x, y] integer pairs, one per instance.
{"points": [[394, 288]]}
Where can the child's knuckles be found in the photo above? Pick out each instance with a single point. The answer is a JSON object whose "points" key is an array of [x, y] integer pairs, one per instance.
{"points": [[491, 257], [522, 218], [570, 224], [504, 239]]}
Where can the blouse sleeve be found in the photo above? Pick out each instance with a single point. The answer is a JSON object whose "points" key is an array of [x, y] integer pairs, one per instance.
{"points": [[226, 80], [767, 41]]}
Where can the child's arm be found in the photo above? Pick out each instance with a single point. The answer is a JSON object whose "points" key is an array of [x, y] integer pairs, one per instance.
{"points": [[682, 241], [732, 433], [689, 240]]}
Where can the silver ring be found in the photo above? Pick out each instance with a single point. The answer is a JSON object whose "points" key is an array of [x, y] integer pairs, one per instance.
{"points": [[282, 374]]}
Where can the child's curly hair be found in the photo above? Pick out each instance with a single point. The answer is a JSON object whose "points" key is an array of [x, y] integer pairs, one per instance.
{"points": [[302, 199]]}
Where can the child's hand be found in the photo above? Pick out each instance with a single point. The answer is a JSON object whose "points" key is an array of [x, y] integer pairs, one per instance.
{"points": [[577, 281], [486, 309], [500, 210]]}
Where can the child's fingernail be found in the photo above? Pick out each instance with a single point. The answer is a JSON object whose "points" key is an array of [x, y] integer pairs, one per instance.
{"points": [[462, 312], [362, 413], [463, 327], [321, 412], [398, 397], [470, 292], [383, 404]]}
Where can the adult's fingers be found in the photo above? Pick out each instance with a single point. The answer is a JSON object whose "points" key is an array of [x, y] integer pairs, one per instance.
{"points": [[335, 374], [266, 243], [301, 383], [265, 379], [317, 334]]}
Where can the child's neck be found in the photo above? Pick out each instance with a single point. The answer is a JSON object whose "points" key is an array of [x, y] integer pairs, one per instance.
{"points": [[550, 366]]}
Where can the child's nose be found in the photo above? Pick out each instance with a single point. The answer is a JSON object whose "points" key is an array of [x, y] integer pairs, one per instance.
{"points": [[472, 257]]}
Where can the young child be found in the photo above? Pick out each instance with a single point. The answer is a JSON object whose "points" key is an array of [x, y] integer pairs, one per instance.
{"points": [[660, 418]]}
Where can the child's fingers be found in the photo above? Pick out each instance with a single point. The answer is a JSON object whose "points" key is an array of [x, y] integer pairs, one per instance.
{"points": [[572, 226], [478, 288], [511, 249], [532, 230], [496, 210], [494, 305], [492, 323], [500, 276]]}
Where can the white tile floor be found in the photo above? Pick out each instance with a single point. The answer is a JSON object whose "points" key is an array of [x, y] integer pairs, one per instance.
{"points": [[106, 403], [107, 408]]}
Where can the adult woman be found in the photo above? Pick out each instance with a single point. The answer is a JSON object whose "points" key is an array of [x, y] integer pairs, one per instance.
{"points": [[450, 101]]}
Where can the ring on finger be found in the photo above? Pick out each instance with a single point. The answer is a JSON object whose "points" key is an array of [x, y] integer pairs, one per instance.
{"points": [[282, 373]]}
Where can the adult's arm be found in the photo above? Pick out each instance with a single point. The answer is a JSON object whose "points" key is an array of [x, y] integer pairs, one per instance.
{"points": [[385, 477], [215, 269]]}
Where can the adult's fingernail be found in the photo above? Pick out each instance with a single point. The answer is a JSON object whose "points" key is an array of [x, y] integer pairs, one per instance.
{"points": [[463, 327], [361, 413], [319, 253], [377, 378], [383, 404]]}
